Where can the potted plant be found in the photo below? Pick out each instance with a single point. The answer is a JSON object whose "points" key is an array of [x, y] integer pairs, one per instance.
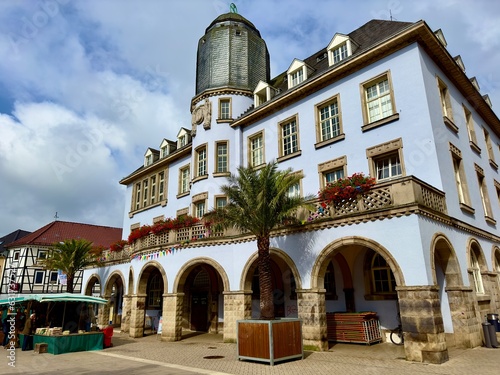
{"points": [[345, 189]]}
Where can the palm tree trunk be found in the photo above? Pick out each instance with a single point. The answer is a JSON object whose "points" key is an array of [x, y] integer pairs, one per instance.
{"points": [[69, 283], [265, 279]]}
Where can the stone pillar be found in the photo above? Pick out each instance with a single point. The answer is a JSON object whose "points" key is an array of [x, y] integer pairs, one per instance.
{"points": [[126, 311], [237, 306], [312, 311], [172, 316], [137, 316], [467, 331], [103, 313], [422, 322]]}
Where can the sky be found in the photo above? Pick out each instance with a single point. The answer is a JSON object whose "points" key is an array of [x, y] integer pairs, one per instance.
{"points": [[86, 86]]}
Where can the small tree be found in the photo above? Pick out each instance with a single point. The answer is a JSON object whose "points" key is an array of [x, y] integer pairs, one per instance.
{"points": [[258, 202], [70, 257]]}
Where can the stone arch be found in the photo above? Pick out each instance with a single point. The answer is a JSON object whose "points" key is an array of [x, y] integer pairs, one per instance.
{"points": [[91, 282], [142, 280], [186, 268], [321, 263], [473, 245], [251, 265], [200, 285], [112, 278], [443, 253], [113, 291], [495, 259]]}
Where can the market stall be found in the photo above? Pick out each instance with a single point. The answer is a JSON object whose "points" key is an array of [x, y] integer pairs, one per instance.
{"points": [[76, 342]]}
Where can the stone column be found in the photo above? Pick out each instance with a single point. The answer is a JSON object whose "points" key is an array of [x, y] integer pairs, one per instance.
{"points": [[126, 311], [422, 322], [103, 313], [312, 311], [467, 332], [172, 316], [137, 316], [237, 306]]}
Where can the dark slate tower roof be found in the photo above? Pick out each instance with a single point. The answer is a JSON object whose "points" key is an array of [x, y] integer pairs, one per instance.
{"points": [[231, 54]]}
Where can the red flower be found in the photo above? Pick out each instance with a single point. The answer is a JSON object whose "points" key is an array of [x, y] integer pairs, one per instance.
{"points": [[345, 189]]}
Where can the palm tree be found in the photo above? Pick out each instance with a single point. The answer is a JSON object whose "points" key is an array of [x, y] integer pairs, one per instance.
{"points": [[258, 202], [70, 257]]}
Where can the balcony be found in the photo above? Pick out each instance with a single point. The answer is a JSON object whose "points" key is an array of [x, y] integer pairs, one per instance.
{"points": [[392, 198]]}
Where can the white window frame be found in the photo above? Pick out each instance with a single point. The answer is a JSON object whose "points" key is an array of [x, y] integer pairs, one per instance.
{"points": [[475, 269], [256, 150], [38, 272], [221, 159], [184, 179], [384, 151], [289, 144]]}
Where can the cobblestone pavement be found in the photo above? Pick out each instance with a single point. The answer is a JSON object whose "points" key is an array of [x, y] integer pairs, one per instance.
{"points": [[207, 354]]}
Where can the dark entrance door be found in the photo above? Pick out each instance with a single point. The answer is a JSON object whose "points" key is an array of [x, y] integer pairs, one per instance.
{"points": [[199, 311]]}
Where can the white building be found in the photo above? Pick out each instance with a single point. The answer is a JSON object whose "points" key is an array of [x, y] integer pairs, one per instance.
{"points": [[387, 100]]}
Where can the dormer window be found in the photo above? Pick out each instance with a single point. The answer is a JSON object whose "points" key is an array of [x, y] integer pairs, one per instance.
{"points": [[183, 137], [297, 73], [340, 53], [262, 93], [340, 48], [149, 160], [164, 151]]}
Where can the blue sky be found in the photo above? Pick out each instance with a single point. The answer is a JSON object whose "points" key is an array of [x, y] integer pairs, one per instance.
{"points": [[87, 86]]}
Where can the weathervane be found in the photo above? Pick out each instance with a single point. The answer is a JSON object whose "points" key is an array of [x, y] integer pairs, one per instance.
{"points": [[232, 8]]}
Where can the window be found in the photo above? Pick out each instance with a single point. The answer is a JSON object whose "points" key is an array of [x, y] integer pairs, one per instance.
{"points": [[39, 277], [289, 137], [153, 189], [444, 97], [137, 196], [388, 166], [475, 271], [145, 193], [155, 291], [161, 185], [332, 171], [199, 209], [330, 287], [294, 191], [221, 163], [340, 53], [296, 77], [497, 188], [328, 120], [42, 254], [378, 99], [256, 150], [201, 162], [220, 202], [483, 190], [489, 147], [460, 180], [53, 277], [149, 160], [224, 109], [385, 160], [16, 255], [382, 276], [470, 130], [164, 151], [184, 180]]}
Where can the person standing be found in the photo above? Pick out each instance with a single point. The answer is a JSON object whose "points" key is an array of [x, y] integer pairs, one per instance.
{"points": [[28, 331]]}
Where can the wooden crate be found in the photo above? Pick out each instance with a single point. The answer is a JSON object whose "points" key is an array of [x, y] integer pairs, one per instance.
{"points": [[41, 347], [362, 328]]}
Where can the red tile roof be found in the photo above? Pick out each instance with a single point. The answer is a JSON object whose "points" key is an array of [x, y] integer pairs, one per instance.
{"points": [[58, 231]]}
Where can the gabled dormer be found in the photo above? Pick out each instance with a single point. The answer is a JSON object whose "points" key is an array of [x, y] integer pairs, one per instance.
{"points": [[167, 147], [459, 62], [487, 99], [474, 82], [439, 34], [340, 48], [263, 93], [183, 137], [298, 72], [151, 156]]}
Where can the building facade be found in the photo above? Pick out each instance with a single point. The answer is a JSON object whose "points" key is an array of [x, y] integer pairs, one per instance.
{"points": [[386, 99], [24, 273]]}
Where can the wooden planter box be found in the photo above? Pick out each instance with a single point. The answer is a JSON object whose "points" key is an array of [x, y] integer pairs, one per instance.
{"points": [[270, 340]]}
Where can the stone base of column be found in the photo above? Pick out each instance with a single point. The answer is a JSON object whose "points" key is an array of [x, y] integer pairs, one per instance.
{"points": [[312, 311], [467, 330], [237, 306], [422, 323], [172, 317]]}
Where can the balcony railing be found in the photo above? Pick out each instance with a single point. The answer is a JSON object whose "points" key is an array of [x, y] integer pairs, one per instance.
{"points": [[383, 198]]}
